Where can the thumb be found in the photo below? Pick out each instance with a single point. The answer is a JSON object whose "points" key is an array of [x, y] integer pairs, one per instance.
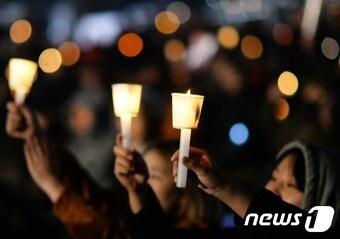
{"points": [[12, 107]]}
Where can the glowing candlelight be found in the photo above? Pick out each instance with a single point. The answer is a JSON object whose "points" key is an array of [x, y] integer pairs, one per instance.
{"points": [[186, 111], [126, 102], [21, 75]]}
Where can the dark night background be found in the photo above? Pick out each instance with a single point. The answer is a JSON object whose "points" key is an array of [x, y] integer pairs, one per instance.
{"points": [[76, 106]]}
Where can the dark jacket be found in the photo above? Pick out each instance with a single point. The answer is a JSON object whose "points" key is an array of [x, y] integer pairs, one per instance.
{"points": [[321, 188]]}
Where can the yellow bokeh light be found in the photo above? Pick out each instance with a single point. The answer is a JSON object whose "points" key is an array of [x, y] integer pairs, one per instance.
{"points": [[281, 110], [251, 47], [167, 22], [20, 31], [288, 83], [283, 34], [50, 60], [130, 44], [228, 37], [70, 53], [174, 50]]}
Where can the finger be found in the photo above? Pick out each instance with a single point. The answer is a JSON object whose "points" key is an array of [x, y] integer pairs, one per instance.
{"points": [[124, 162], [13, 116], [121, 169], [175, 156], [12, 107], [196, 152], [203, 188], [175, 168], [194, 165], [16, 134], [122, 152], [13, 120], [28, 115], [119, 140]]}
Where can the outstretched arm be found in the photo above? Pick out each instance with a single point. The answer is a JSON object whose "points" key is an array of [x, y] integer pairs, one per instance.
{"points": [[79, 203]]}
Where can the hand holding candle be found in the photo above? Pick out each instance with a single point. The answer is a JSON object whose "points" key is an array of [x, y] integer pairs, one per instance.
{"points": [[126, 102], [21, 75], [186, 111]]}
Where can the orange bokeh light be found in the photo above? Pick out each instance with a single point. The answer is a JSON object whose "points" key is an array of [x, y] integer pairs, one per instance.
{"points": [[228, 37], [130, 44], [167, 22], [50, 60], [20, 31], [70, 53], [251, 47], [174, 50], [281, 110]]}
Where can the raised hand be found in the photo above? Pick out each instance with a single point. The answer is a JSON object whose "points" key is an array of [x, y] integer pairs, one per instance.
{"points": [[129, 168], [200, 163], [21, 122], [38, 156], [213, 183]]}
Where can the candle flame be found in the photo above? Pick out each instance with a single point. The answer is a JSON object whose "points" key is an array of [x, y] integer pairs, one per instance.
{"points": [[188, 92]]}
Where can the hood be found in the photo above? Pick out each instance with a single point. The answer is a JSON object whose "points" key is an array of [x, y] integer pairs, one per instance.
{"points": [[322, 186]]}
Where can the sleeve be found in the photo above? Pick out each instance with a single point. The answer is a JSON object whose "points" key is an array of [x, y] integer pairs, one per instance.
{"points": [[85, 217], [87, 210], [151, 219], [265, 201]]}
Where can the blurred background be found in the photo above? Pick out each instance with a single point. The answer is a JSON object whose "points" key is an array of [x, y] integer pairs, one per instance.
{"points": [[269, 71]]}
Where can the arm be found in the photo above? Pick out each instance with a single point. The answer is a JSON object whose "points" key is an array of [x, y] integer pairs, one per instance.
{"points": [[241, 201], [85, 209], [79, 203], [232, 194], [131, 171], [148, 217]]}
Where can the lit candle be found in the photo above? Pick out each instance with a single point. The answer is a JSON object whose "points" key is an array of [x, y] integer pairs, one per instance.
{"points": [[186, 111], [21, 75], [126, 102]]}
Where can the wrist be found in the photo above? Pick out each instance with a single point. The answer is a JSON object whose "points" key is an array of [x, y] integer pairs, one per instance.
{"points": [[136, 189], [132, 191], [53, 188], [135, 201], [221, 187]]}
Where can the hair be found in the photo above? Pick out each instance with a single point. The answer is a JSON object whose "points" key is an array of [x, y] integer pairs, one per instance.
{"points": [[299, 168]]}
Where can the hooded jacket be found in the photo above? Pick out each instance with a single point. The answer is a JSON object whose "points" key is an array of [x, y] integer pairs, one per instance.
{"points": [[322, 185]]}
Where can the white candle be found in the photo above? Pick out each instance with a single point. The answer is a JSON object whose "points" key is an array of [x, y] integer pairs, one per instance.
{"points": [[21, 75], [186, 111], [126, 102], [126, 124], [19, 98], [184, 148]]}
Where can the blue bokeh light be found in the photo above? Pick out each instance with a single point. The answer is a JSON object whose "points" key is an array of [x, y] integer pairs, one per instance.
{"points": [[239, 133]]}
